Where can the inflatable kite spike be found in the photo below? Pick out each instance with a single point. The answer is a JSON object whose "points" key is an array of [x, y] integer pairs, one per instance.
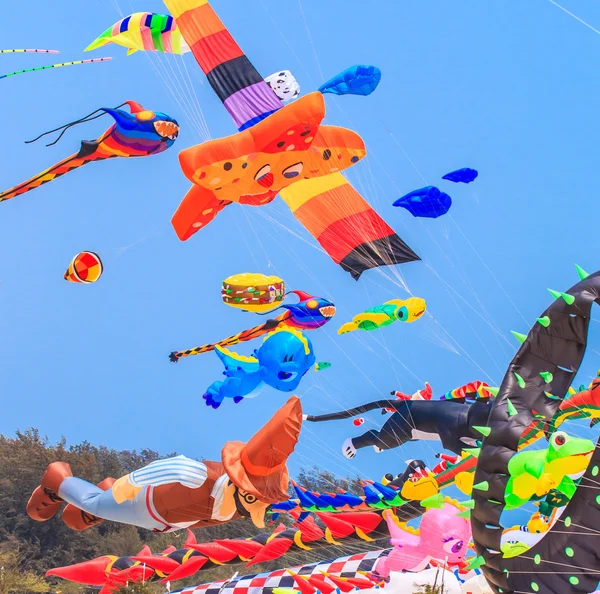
{"points": [[93, 572], [145, 551], [302, 295], [134, 106], [187, 569], [162, 564], [190, 540]]}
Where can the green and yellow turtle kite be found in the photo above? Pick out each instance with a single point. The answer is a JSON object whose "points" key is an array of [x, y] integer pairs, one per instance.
{"points": [[396, 310]]}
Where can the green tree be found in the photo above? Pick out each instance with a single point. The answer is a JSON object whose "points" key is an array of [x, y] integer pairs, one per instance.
{"points": [[15, 581], [40, 546]]}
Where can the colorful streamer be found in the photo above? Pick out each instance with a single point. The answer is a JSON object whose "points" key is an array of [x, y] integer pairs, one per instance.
{"points": [[76, 63]]}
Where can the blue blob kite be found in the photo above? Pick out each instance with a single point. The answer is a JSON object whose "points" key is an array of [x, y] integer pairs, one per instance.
{"points": [[426, 202], [281, 362], [465, 175], [357, 80]]}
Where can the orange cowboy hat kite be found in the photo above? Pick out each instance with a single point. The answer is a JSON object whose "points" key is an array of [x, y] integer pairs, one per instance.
{"points": [[259, 466]]}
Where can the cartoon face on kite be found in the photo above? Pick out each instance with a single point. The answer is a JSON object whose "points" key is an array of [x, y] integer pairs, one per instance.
{"points": [[420, 486], [310, 312], [145, 132], [285, 357], [281, 362], [284, 85], [252, 166], [442, 535], [519, 539], [535, 473]]}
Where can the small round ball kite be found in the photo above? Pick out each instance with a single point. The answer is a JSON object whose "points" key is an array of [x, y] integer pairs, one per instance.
{"points": [[85, 267]]}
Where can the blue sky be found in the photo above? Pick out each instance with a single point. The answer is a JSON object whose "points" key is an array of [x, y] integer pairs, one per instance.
{"points": [[508, 88]]}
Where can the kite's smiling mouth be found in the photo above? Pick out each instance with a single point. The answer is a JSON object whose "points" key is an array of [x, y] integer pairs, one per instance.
{"points": [[419, 313], [327, 311], [166, 129]]}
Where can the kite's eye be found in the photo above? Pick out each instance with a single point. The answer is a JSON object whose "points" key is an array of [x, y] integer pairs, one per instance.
{"points": [[264, 177], [312, 303], [145, 115], [293, 171], [560, 439]]}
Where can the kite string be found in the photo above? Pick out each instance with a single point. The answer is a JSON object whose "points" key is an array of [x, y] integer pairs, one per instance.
{"points": [[574, 16]]}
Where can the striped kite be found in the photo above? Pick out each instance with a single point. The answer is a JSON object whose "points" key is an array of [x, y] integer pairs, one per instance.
{"points": [[137, 134], [143, 31], [279, 149], [85, 267]]}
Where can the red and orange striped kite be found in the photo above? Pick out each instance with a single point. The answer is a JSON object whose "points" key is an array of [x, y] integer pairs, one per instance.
{"points": [[279, 149]]}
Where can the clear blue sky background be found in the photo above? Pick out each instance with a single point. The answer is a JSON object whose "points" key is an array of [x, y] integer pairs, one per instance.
{"points": [[510, 88]]}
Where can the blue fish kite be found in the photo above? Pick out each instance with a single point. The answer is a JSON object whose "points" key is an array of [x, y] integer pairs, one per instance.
{"points": [[357, 80], [428, 202], [465, 175], [281, 362]]}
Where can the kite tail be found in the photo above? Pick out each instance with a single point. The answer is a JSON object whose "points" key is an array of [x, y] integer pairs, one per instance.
{"points": [[84, 156], [352, 412], [243, 336], [100, 41]]}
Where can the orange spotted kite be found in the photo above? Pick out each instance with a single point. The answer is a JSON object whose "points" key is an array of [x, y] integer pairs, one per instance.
{"points": [[279, 149]]}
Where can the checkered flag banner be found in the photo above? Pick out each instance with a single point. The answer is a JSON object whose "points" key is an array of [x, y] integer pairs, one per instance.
{"points": [[263, 583]]}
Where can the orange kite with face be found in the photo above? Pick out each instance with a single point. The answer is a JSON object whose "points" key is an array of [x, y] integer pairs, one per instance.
{"points": [[253, 166]]}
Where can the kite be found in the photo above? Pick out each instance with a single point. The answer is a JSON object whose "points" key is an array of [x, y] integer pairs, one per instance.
{"points": [[173, 564], [252, 291], [292, 154], [85, 267], [322, 365], [464, 176], [284, 85], [28, 51], [179, 492], [425, 394], [75, 63], [534, 473], [281, 362], [519, 539], [309, 313], [442, 535], [453, 422], [396, 310], [143, 31], [426, 202], [357, 80], [533, 389], [137, 134]]}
